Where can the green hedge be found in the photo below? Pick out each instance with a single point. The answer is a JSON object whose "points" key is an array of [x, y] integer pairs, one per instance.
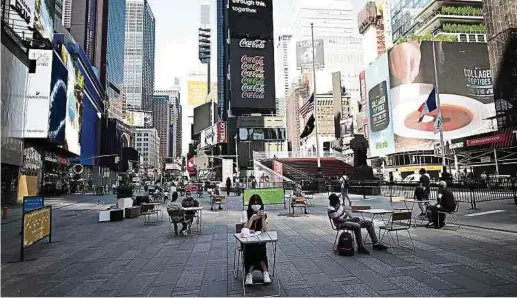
{"points": [[462, 10]]}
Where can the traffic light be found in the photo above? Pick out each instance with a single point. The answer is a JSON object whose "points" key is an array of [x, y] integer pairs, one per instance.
{"points": [[204, 45]]}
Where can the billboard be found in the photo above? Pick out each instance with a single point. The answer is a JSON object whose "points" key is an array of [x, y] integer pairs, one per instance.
{"points": [[362, 86], [251, 18], [58, 98], [44, 23], [465, 92], [74, 105], [378, 108], [197, 92], [304, 52], [252, 73], [262, 134], [139, 119], [203, 117], [37, 99]]}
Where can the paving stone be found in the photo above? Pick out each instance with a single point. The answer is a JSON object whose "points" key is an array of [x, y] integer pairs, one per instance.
{"points": [[190, 278], [394, 293], [375, 281], [300, 292], [85, 288], [466, 283], [217, 289], [215, 273], [359, 290], [141, 284], [429, 279], [162, 291], [477, 275], [413, 286]]}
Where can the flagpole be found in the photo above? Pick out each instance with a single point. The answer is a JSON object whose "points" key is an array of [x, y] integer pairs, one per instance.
{"points": [[315, 102], [437, 94]]}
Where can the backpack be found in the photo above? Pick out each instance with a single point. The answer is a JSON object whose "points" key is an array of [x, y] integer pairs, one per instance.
{"points": [[345, 183], [345, 244]]}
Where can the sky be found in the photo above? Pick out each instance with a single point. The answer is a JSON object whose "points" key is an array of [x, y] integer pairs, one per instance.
{"points": [[177, 23]]}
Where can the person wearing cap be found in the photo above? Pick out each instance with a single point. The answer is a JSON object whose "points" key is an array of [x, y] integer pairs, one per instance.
{"points": [[446, 203]]}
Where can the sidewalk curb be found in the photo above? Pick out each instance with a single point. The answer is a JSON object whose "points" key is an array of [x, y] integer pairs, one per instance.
{"points": [[490, 229]]}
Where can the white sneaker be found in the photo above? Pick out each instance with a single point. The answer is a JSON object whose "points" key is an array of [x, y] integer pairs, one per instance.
{"points": [[267, 278], [249, 279]]}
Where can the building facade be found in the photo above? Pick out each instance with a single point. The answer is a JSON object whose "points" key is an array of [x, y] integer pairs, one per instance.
{"points": [[283, 71], [222, 59], [372, 22], [139, 53], [175, 114], [147, 142], [161, 121], [335, 24], [82, 26]]}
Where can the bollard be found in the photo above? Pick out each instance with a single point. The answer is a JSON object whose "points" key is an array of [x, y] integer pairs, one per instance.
{"points": [[4, 212]]}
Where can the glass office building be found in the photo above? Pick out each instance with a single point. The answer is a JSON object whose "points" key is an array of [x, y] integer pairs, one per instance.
{"points": [[221, 57], [139, 53], [403, 15], [115, 48]]}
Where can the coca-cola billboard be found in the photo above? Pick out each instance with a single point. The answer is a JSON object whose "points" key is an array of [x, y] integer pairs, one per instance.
{"points": [[252, 73]]}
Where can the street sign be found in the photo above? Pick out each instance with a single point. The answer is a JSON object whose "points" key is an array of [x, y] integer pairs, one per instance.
{"points": [[32, 202]]}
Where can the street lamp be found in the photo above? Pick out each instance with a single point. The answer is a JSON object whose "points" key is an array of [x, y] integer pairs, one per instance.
{"points": [[237, 156]]}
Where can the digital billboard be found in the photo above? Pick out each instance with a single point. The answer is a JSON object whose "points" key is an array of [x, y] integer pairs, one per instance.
{"points": [[197, 92], [252, 73], [73, 105], [304, 53], [37, 96], [139, 119], [378, 108], [465, 92], [251, 18], [202, 117], [58, 99]]}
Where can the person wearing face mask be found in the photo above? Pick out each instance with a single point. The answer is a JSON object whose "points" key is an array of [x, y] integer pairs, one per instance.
{"points": [[189, 201], [255, 255]]}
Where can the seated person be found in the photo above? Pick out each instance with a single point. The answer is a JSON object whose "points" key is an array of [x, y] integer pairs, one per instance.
{"points": [[299, 198], [175, 205], [423, 190], [189, 201], [255, 255], [343, 220], [446, 203], [215, 193]]}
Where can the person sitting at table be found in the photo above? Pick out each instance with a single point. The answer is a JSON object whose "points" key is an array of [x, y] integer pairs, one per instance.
{"points": [[255, 255], [213, 196], [446, 203], [344, 220], [299, 198], [187, 202], [175, 205]]}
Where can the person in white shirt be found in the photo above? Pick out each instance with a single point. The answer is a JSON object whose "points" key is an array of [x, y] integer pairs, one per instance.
{"points": [[345, 185]]}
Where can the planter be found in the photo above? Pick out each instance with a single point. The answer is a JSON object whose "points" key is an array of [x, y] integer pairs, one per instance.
{"points": [[124, 203]]}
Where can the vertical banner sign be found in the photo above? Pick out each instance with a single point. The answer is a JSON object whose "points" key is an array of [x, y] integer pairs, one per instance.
{"points": [[37, 97], [362, 86], [227, 169], [336, 95], [252, 73], [278, 168], [222, 137]]}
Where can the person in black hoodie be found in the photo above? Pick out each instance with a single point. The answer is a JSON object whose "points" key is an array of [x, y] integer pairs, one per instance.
{"points": [[446, 203]]}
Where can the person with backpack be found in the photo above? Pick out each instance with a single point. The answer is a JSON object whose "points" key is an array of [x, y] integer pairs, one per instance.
{"points": [[345, 185], [446, 203], [343, 220]]}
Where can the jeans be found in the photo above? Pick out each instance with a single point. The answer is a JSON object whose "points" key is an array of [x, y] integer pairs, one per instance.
{"points": [[356, 224], [344, 195], [432, 215]]}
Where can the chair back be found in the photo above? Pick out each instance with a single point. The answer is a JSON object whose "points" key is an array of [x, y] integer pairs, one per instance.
{"points": [[401, 218], [239, 227], [146, 208], [176, 213], [358, 208]]}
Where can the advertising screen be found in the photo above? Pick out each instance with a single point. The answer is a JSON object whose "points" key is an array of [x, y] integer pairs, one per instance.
{"points": [[252, 73], [89, 132], [253, 18], [202, 117], [58, 98], [262, 134], [73, 105], [465, 92], [37, 100], [139, 119], [362, 84], [43, 21], [304, 52], [378, 109], [197, 92]]}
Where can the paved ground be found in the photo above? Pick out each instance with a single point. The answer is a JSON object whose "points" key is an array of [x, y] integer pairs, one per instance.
{"points": [[127, 258]]}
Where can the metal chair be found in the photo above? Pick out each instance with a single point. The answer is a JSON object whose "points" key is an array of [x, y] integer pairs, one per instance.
{"points": [[147, 211], [176, 217], [454, 220], [400, 221], [238, 251], [338, 230]]}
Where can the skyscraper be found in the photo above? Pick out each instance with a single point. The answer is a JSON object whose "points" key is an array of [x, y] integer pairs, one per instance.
{"points": [[335, 24], [161, 121], [283, 65], [175, 141], [139, 53], [222, 58], [83, 20], [205, 13]]}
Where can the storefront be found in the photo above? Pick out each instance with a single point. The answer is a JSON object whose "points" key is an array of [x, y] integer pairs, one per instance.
{"points": [[56, 175]]}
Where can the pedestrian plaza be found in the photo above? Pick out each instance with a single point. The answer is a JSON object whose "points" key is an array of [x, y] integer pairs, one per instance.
{"points": [[131, 258]]}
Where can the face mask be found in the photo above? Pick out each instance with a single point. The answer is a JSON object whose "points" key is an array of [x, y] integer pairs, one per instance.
{"points": [[255, 207]]}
